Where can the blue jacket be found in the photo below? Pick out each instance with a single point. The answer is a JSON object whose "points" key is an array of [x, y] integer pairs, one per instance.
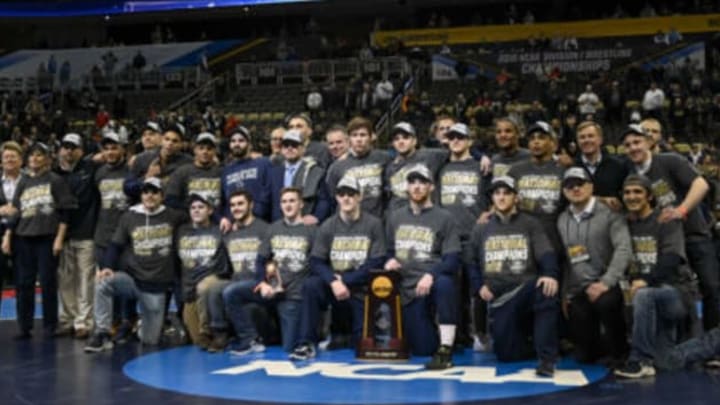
{"points": [[252, 175]]}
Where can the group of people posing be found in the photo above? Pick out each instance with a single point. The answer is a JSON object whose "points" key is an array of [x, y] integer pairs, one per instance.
{"points": [[521, 249]]}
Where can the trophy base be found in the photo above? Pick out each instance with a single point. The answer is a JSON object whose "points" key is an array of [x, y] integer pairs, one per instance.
{"points": [[395, 350]]}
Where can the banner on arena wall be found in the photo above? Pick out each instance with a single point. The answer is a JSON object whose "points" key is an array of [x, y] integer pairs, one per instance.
{"points": [[694, 53], [581, 29]]}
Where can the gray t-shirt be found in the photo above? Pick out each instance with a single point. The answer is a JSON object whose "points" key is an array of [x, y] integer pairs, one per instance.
{"points": [[502, 163], [461, 192], [243, 246], [395, 173], [113, 201], [191, 179], [368, 171], [347, 245], [290, 246], [419, 242], [507, 252], [150, 242], [40, 200], [671, 176], [201, 254], [651, 240]]}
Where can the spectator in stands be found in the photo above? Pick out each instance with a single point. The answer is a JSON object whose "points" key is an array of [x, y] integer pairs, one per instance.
{"points": [[674, 36], [102, 117], [64, 77], [139, 61], [529, 17], [588, 103], [648, 10], [384, 91], [109, 61], [653, 101], [661, 38]]}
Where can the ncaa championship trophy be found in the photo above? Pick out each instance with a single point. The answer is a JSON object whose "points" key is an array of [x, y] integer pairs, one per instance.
{"points": [[382, 334]]}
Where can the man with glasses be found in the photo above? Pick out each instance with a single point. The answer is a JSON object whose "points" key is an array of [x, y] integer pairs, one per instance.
{"points": [[348, 245], [598, 249], [145, 234], [303, 174]]}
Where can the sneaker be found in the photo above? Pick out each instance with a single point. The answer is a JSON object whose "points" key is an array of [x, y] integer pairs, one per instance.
{"points": [[255, 346], [304, 351], [635, 369], [546, 368], [123, 333], [441, 360], [204, 341], [99, 342], [219, 342], [481, 343], [713, 363]]}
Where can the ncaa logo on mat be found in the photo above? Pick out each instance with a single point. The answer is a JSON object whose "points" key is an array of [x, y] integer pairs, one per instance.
{"points": [[337, 378]]}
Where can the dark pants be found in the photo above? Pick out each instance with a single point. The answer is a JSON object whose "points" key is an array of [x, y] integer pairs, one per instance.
{"points": [[5, 270], [704, 262], [33, 258], [317, 296], [419, 318], [585, 320], [528, 312]]}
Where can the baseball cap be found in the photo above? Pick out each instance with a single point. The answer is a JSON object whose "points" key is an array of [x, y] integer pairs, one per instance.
{"points": [[350, 183], [206, 137], [240, 130], [112, 136], [460, 129], [576, 173], [73, 139], [198, 197], [404, 127], [152, 126], [542, 127], [293, 136], [151, 182], [633, 129], [638, 180], [419, 171], [503, 181], [40, 147]]}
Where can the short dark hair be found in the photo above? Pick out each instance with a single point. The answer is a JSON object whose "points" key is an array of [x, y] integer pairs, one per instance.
{"points": [[242, 193], [295, 190], [359, 123]]}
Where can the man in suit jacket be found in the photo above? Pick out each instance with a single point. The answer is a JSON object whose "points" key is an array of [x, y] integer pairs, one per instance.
{"points": [[304, 174]]}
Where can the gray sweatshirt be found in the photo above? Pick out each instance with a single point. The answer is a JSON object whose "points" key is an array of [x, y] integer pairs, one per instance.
{"points": [[598, 247]]}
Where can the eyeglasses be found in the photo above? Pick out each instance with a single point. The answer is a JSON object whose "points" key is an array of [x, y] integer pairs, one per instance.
{"points": [[571, 184], [453, 136], [346, 193], [287, 144]]}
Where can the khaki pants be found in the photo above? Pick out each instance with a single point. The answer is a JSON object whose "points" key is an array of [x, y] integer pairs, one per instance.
{"points": [[195, 314], [76, 282]]}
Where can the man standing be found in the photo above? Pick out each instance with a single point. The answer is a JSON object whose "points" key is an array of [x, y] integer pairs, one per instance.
{"points": [[146, 233], [507, 140], [301, 173], [364, 164], [314, 149], [337, 141], [348, 246], [77, 262], [12, 160], [404, 141], [423, 245], [242, 172], [606, 171], [515, 270], [678, 190], [659, 271], [539, 180], [201, 177], [287, 243], [597, 245]]}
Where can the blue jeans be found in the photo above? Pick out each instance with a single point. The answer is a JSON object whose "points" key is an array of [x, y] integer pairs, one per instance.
{"points": [[216, 305], [238, 294], [697, 349], [657, 313], [152, 306], [704, 262]]}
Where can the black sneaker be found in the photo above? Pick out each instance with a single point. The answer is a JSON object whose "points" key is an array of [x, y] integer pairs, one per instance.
{"points": [[304, 351], [441, 360], [635, 369], [219, 342], [546, 368], [99, 342], [124, 333]]}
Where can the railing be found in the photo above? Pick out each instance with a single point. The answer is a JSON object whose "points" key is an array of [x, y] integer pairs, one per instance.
{"points": [[315, 71]]}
